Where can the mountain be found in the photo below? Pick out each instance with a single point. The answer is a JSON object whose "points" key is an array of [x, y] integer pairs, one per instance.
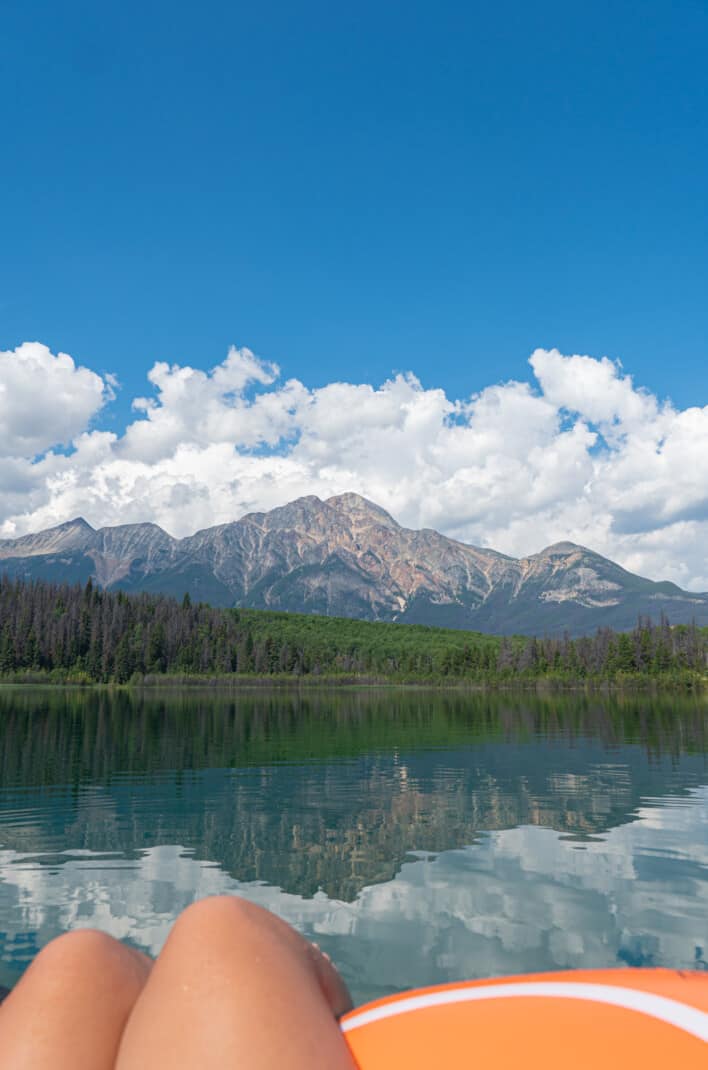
{"points": [[347, 557]]}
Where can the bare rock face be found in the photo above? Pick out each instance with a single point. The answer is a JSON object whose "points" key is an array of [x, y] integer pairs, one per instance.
{"points": [[337, 555], [75, 535], [348, 557], [130, 548]]}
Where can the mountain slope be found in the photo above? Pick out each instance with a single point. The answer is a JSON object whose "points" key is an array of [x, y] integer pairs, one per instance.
{"points": [[348, 557]]}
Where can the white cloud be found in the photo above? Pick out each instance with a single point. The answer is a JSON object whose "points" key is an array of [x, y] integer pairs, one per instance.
{"points": [[202, 408], [583, 454], [595, 389], [45, 400]]}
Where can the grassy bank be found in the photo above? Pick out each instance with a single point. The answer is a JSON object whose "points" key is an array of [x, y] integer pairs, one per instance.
{"points": [[683, 682]]}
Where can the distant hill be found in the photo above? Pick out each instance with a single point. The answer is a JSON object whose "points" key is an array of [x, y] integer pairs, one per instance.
{"points": [[347, 557]]}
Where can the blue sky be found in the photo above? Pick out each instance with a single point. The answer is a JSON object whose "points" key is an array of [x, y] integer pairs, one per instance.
{"points": [[356, 193], [351, 190]]}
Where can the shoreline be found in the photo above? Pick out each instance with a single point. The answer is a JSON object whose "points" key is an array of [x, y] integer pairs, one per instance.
{"points": [[288, 683]]}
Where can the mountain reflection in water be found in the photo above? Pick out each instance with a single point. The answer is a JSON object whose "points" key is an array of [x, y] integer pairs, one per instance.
{"points": [[419, 837]]}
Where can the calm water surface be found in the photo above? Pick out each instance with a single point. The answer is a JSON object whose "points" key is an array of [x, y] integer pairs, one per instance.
{"points": [[418, 837]]}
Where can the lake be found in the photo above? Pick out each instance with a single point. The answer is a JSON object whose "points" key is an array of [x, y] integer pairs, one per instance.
{"points": [[418, 837]]}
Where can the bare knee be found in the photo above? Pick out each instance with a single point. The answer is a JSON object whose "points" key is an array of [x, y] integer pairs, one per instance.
{"points": [[81, 947], [226, 934], [224, 916], [86, 958], [219, 924]]}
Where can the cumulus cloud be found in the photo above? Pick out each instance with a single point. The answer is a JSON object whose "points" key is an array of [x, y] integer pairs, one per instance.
{"points": [[45, 400], [596, 389], [580, 453], [204, 408]]}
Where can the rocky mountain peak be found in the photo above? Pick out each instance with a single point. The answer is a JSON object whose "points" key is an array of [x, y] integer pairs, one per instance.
{"points": [[77, 522], [133, 536], [357, 506], [74, 534], [299, 513], [561, 549], [347, 556]]}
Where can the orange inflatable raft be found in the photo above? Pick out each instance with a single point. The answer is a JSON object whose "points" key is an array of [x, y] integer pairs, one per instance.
{"points": [[580, 1020]]}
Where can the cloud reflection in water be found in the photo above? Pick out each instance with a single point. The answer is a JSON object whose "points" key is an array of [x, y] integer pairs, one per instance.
{"points": [[517, 900]]}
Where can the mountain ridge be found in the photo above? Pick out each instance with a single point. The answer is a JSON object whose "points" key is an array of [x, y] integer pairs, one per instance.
{"points": [[347, 556]]}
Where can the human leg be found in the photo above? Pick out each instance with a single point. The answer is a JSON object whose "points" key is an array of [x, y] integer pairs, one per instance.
{"points": [[236, 987], [68, 1010]]}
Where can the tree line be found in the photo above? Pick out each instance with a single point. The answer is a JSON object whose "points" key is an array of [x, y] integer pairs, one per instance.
{"points": [[87, 634]]}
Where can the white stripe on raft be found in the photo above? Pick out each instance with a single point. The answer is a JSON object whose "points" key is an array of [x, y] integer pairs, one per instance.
{"points": [[690, 1019]]}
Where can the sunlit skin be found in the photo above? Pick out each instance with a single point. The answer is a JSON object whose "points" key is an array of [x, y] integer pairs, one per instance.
{"points": [[233, 987]]}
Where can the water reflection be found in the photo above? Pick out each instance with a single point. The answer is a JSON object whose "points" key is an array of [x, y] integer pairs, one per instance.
{"points": [[418, 838]]}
